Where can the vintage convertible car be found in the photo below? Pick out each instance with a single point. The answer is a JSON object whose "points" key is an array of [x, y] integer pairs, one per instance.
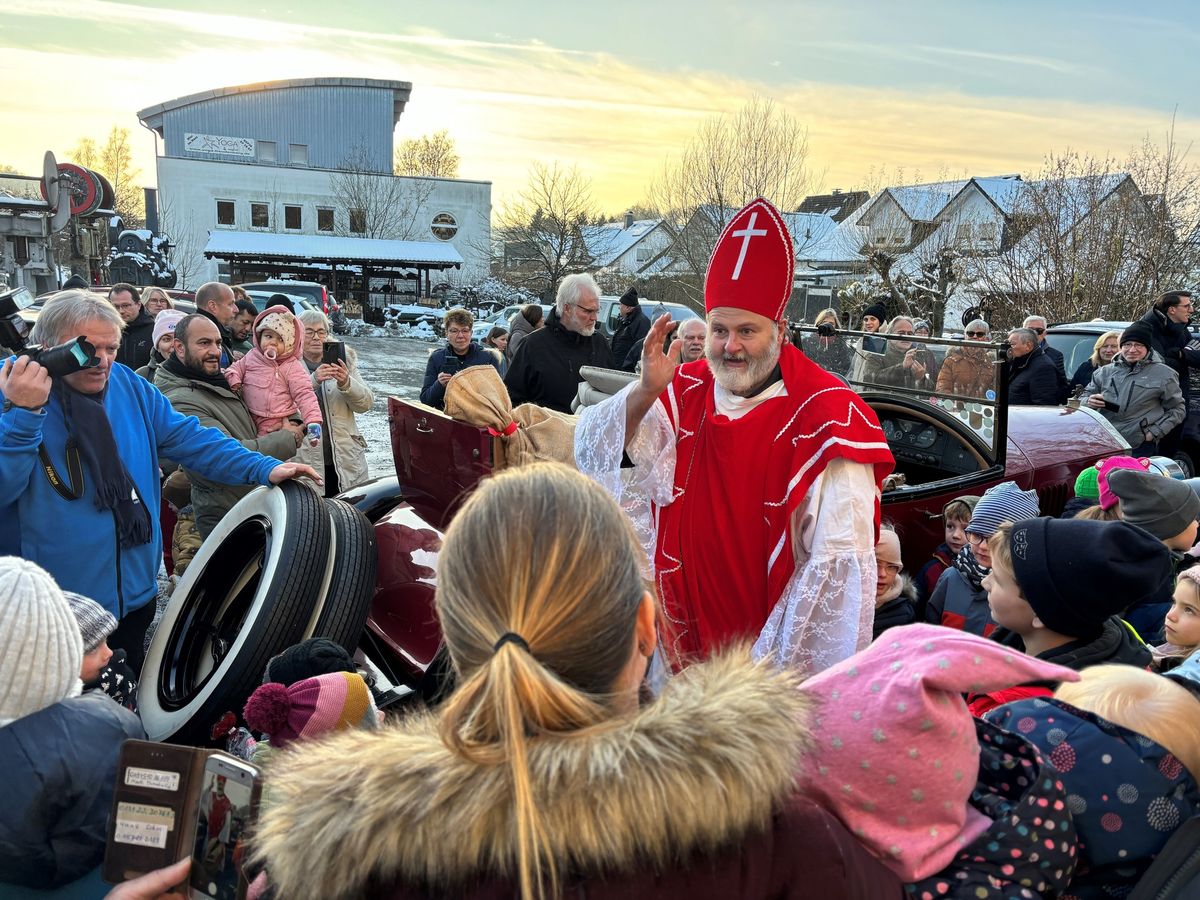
{"points": [[361, 569]]}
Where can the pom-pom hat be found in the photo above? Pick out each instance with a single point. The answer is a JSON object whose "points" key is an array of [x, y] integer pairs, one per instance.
{"points": [[752, 264], [311, 707]]}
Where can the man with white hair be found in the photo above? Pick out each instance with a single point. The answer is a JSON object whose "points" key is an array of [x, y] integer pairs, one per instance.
{"points": [[970, 371], [79, 478], [692, 333], [546, 367], [1037, 324], [756, 474]]}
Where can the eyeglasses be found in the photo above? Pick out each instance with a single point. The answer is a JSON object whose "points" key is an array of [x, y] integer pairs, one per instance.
{"points": [[975, 539], [458, 332], [976, 334], [905, 333], [588, 311], [890, 568], [124, 306], [1038, 330], [315, 332]]}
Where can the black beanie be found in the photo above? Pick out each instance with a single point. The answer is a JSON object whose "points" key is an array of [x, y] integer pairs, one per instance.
{"points": [[877, 310], [1077, 573], [75, 282], [630, 297], [316, 656], [1139, 331]]}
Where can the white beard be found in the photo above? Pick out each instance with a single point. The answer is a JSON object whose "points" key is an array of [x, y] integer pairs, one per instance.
{"points": [[739, 382]]}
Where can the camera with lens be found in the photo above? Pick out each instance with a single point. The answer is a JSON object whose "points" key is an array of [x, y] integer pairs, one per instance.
{"points": [[72, 356]]}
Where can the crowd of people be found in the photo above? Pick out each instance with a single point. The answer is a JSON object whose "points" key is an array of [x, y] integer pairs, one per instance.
{"points": [[697, 663]]}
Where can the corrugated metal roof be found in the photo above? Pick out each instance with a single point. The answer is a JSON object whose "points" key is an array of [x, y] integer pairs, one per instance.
{"points": [[320, 248], [402, 90]]}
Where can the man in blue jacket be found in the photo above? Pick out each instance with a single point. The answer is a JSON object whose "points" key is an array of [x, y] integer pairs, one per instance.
{"points": [[79, 477], [459, 353]]}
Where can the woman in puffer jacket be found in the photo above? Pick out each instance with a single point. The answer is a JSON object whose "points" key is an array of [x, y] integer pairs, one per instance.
{"points": [[549, 771]]}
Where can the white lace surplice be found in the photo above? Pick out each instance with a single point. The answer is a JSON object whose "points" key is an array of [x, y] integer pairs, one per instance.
{"points": [[827, 608]]}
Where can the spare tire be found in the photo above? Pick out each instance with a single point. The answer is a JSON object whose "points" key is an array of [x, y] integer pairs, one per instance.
{"points": [[248, 594], [342, 614]]}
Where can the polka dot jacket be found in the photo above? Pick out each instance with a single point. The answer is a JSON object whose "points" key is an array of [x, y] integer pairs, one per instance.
{"points": [[1126, 793]]}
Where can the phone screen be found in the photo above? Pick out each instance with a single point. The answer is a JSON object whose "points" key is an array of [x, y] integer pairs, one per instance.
{"points": [[450, 364], [333, 352], [221, 823]]}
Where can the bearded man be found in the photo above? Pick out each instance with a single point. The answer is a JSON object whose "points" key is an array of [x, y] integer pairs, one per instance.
{"points": [[756, 475]]}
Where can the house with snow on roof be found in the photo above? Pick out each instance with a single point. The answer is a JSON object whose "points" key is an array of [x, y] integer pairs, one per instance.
{"points": [[627, 246]]}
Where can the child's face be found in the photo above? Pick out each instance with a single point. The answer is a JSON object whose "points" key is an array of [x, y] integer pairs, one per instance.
{"points": [[956, 534], [1008, 607], [270, 340], [1185, 539], [979, 546], [94, 662], [886, 574], [1183, 618]]}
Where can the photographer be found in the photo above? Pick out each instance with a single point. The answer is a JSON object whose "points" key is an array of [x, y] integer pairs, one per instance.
{"points": [[79, 488], [459, 353]]}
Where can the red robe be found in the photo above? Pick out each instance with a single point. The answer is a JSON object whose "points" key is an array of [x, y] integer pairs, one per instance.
{"points": [[724, 550]]}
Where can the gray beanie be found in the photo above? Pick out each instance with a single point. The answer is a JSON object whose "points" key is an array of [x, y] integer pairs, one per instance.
{"points": [[95, 622], [1163, 506], [41, 651]]}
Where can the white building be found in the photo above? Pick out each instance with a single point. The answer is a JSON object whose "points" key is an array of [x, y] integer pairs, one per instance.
{"points": [[310, 157]]}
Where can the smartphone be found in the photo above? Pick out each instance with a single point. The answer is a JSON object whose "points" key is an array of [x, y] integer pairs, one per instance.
{"points": [[1112, 407], [450, 364], [333, 353], [222, 820]]}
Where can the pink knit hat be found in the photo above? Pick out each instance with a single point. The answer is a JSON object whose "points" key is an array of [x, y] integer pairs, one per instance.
{"points": [[311, 707], [1107, 498], [895, 755]]}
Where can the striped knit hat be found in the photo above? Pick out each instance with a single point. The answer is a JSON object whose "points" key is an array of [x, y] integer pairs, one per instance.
{"points": [[311, 707], [41, 651], [1003, 503]]}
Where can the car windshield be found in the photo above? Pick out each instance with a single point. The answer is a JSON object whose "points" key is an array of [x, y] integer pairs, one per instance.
{"points": [[959, 377], [1075, 347]]}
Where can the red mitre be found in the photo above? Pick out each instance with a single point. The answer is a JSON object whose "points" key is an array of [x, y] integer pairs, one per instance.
{"points": [[752, 264]]}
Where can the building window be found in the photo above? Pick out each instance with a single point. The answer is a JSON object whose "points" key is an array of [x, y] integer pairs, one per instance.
{"points": [[987, 231], [298, 154], [324, 218], [443, 226], [644, 254], [358, 221], [225, 213], [260, 217], [292, 219], [266, 151], [963, 233]]}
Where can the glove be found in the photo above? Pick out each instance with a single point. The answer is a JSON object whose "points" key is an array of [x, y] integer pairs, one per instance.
{"points": [[313, 434], [826, 330]]}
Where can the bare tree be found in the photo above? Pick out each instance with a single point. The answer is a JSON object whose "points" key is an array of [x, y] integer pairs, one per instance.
{"points": [[760, 151], [541, 232], [187, 244], [430, 156], [115, 162], [377, 204]]}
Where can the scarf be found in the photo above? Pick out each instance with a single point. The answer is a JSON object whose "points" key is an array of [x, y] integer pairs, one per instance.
{"points": [[175, 366], [968, 566], [90, 433]]}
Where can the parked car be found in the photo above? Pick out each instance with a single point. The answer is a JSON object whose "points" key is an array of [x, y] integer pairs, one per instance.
{"points": [[502, 317], [315, 293], [610, 312], [262, 299]]}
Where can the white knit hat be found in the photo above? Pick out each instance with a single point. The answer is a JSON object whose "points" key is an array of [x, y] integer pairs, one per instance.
{"points": [[41, 650]]}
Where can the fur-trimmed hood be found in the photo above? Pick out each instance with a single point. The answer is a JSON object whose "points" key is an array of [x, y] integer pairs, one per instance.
{"points": [[704, 765]]}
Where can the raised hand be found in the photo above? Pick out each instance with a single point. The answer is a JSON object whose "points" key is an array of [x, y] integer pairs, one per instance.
{"points": [[658, 368]]}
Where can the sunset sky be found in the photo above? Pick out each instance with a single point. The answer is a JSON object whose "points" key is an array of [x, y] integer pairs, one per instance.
{"points": [[617, 88]]}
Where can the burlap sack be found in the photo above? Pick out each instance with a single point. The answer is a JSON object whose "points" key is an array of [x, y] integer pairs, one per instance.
{"points": [[478, 397]]}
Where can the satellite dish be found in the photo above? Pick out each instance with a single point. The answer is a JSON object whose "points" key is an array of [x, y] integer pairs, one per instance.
{"points": [[50, 181]]}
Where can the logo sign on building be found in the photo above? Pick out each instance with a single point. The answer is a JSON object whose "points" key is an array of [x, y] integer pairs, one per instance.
{"points": [[215, 143]]}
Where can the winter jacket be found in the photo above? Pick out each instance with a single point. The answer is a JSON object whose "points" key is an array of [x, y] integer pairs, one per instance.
{"points": [[1117, 643], [1076, 505], [1083, 375], [60, 766], [1146, 391], [927, 578], [1060, 369], [137, 340], [831, 354], [888, 368], [433, 392], [214, 492], [347, 444], [545, 370], [518, 329], [967, 372], [1033, 380], [898, 607], [1126, 793], [692, 797], [628, 332], [1170, 342], [147, 371], [73, 539], [274, 389], [956, 604]]}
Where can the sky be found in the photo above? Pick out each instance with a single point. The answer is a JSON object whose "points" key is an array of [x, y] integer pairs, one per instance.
{"points": [[920, 89]]}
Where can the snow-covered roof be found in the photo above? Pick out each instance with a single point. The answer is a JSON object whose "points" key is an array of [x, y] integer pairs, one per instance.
{"points": [[317, 248], [922, 202], [1003, 190], [609, 242], [807, 228]]}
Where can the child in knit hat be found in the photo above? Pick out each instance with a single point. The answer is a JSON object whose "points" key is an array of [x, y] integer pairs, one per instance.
{"points": [[1181, 627], [103, 668], [1126, 745], [1167, 509], [894, 595], [956, 516], [1057, 587], [272, 377], [1087, 493], [959, 599]]}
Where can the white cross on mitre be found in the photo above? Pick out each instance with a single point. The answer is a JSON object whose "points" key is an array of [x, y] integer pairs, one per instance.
{"points": [[746, 234]]}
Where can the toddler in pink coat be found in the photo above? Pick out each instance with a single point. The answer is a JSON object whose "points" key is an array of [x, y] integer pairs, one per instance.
{"points": [[272, 377]]}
